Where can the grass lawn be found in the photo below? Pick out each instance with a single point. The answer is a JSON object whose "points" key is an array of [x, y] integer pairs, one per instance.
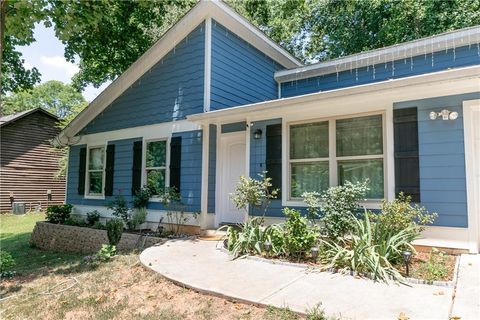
{"points": [[14, 238], [53, 285]]}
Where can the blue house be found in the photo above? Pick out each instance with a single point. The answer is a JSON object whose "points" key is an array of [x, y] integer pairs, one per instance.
{"points": [[215, 99]]}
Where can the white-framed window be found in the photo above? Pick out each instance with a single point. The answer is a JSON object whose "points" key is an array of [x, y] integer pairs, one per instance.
{"points": [[95, 171], [156, 159], [328, 152]]}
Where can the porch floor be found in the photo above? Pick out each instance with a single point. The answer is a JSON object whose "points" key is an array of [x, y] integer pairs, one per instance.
{"points": [[201, 266]]}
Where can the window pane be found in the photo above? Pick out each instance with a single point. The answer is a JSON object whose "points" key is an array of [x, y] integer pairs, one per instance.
{"points": [[156, 180], [308, 177], [359, 170], [359, 136], [309, 140], [95, 161], [156, 153], [95, 182]]}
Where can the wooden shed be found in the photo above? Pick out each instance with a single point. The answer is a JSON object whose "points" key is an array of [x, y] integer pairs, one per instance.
{"points": [[28, 161]]}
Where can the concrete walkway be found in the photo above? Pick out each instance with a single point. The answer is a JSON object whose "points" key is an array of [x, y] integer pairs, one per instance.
{"points": [[199, 265]]}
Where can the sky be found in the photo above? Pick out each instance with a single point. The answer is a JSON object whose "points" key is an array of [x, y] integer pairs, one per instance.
{"points": [[46, 54]]}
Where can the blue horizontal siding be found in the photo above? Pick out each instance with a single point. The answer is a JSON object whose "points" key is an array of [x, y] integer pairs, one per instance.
{"points": [[442, 159], [122, 174], [257, 161], [190, 173], [240, 73], [420, 64], [169, 91]]}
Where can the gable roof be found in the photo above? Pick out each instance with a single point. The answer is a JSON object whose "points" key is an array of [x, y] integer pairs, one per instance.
{"points": [[440, 42], [205, 9], [19, 115]]}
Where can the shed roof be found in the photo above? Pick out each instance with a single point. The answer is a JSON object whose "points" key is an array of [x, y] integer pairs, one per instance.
{"points": [[16, 116]]}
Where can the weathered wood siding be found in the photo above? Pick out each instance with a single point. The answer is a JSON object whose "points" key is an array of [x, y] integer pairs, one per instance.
{"points": [[28, 164]]}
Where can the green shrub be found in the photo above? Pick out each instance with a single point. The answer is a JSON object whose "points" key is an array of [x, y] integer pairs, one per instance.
{"points": [[248, 240], [75, 220], [106, 252], [141, 198], [339, 206], [58, 213], [6, 264], [120, 209], [93, 217], [114, 231], [139, 216], [368, 250], [312, 200], [400, 214], [299, 236], [99, 225], [254, 193]]}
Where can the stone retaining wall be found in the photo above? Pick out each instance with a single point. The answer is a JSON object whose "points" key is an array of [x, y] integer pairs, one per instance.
{"points": [[57, 237]]}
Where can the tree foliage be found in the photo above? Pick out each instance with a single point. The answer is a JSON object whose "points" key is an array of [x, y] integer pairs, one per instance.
{"points": [[54, 96], [323, 29], [106, 36]]}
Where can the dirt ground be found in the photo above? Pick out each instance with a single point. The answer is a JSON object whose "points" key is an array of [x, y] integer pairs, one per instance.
{"points": [[120, 289]]}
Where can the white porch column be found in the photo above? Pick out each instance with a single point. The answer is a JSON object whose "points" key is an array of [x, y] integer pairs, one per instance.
{"points": [[204, 190]]}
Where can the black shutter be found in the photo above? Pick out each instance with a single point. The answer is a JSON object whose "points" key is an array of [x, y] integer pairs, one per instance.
{"points": [[407, 171], [175, 162], [273, 159], [110, 163], [137, 167], [82, 171]]}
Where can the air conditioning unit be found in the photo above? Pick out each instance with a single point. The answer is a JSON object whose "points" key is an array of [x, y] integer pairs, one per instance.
{"points": [[18, 208]]}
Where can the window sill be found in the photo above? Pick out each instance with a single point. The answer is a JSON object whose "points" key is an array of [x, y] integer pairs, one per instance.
{"points": [[94, 197], [369, 204]]}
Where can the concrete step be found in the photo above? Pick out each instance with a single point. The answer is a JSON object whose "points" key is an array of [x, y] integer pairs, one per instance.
{"points": [[212, 233]]}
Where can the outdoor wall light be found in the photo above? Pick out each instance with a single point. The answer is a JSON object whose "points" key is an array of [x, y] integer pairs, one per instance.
{"points": [[12, 199], [49, 195], [407, 256], [445, 114], [257, 134]]}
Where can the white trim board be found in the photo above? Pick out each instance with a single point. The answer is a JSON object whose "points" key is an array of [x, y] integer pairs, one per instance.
{"points": [[153, 131], [204, 9], [441, 42], [455, 81], [471, 119]]}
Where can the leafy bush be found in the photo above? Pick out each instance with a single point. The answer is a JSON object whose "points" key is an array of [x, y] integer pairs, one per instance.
{"points": [[252, 193], [312, 200], [93, 217], [114, 231], [176, 217], [339, 207], [368, 250], [400, 214], [99, 225], [139, 216], [249, 240], [6, 264], [75, 220], [106, 252], [58, 213], [142, 197], [299, 236], [120, 209]]}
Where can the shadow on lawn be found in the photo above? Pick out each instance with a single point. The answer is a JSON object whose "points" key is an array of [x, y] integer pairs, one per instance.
{"points": [[31, 262]]}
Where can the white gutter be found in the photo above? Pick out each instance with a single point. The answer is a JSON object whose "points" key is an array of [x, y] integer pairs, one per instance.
{"points": [[445, 41], [273, 106]]}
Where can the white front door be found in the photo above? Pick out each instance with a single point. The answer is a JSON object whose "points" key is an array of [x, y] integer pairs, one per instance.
{"points": [[232, 166]]}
